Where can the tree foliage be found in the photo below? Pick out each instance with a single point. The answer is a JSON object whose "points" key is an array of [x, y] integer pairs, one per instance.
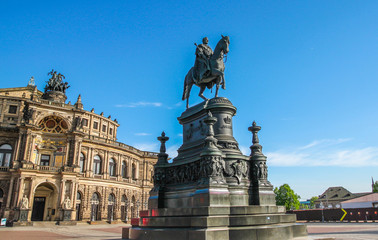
{"points": [[285, 196], [375, 187], [312, 201]]}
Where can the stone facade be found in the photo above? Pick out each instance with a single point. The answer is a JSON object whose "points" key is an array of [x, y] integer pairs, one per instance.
{"points": [[60, 162]]}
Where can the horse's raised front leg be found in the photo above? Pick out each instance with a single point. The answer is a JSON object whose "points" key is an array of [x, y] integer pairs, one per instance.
{"points": [[201, 93]]}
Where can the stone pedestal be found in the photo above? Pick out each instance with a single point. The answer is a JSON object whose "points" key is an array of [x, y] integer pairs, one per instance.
{"points": [[211, 190], [55, 96], [67, 216], [24, 214], [67, 213]]}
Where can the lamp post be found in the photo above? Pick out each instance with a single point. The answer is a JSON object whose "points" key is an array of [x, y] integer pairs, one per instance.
{"points": [[322, 207]]}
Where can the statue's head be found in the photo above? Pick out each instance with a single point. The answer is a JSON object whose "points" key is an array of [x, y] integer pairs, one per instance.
{"points": [[205, 40]]}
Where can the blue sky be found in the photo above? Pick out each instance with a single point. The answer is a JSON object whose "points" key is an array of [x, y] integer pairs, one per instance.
{"points": [[306, 71]]}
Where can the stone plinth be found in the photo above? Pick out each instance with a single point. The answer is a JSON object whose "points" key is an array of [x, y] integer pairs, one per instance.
{"points": [[55, 96], [211, 190], [24, 213]]}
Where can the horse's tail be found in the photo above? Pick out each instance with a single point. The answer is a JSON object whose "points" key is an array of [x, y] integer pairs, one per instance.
{"points": [[185, 94]]}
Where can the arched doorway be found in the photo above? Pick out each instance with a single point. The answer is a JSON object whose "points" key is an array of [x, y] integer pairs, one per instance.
{"points": [[111, 203], [44, 202], [78, 206], [124, 207], [95, 202]]}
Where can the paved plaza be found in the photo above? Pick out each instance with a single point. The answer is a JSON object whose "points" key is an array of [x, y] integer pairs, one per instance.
{"points": [[323, 231]]}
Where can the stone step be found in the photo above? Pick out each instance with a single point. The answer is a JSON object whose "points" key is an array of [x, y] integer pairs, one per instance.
{"points": [[217, 221], [267, 232], [211, 211], [44, 223]]}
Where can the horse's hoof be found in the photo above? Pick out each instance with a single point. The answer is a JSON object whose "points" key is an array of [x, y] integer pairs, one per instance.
{"points": [[223, 87]]}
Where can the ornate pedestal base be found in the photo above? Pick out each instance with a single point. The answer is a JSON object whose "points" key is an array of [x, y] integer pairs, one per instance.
{"points": [[211, 190], [67, 214], [24, 213]]}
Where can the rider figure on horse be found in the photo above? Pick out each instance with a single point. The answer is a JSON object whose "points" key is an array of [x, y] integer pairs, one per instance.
{"points": [[202, 63]]}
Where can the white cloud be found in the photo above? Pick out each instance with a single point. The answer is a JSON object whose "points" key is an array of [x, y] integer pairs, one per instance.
{"points": [[180, 134], [245, 150], [172, 151], [326, 152], [142, 134], [327, 142], [140, 104], [150, 147]]}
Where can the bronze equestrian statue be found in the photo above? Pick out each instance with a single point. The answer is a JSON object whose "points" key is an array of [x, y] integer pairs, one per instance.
{"points": [[208, 68]]}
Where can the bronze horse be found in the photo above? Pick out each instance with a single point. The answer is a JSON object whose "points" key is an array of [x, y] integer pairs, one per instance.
{"points": [[216, 75]]}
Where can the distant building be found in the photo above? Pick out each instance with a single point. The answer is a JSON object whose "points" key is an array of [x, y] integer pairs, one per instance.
{"points": [[56, 156], [367, 201], [333, 197]]}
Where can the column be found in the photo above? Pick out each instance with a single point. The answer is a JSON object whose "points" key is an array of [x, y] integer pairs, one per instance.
{"points": [[105, 165], [78, 153], [62, 190], [73, 189], [88, 162], [16, 192], [10, 192], [21, 191], [31, 192]]}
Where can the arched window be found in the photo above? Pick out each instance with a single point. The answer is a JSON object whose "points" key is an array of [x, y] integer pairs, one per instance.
{"points": [[95, 211], [5, 155], [112, 167], [111, 203], [124, 169], [78, 206], [124, 208], [133, 172], [133, 207], [81, 163], [111, 199], [95, 199], [97, 164]]}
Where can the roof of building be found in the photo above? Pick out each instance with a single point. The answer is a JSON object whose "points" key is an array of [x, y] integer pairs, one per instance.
{"points": [[339, 193], [372, 197]]}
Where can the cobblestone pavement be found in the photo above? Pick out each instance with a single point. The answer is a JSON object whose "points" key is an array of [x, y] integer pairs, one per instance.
{"points": [[342, 231], [317, 231], [78, 232]]}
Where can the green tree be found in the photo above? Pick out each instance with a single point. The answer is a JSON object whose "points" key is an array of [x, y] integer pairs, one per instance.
{"points": [[285, 196], [312, 201], [375, 187]]}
